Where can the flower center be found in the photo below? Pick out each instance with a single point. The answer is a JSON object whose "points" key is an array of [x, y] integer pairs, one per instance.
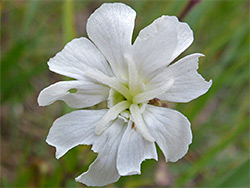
{"points": [[127, 99], [128, 109]]}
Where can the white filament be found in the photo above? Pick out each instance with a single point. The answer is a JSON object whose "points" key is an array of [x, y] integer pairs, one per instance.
{"points": [[111, 82], [148, 95], [139, 123], [113, 112]]}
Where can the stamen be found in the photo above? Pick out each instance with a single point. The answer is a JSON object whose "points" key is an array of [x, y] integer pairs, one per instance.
{"points": [[133, 75], [113, 112], [139, 123], [148, 95], [111, 82]]}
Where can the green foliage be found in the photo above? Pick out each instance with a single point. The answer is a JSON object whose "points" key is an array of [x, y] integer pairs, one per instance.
{"points": [[238, 177], [34, 31]]}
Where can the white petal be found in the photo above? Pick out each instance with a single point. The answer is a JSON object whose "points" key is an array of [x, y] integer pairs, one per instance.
{"points": [[170, 129], [75, 128], [78, 56], [87, 93], [103, 171], [110, 27], [188, 83], [160, 43], [133, 150]]}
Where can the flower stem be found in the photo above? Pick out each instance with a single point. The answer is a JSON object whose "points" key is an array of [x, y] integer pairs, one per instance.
{"points": [[191, 4]]}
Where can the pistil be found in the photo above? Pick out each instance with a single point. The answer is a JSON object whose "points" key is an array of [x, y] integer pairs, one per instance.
{"points": [[133, 75]]}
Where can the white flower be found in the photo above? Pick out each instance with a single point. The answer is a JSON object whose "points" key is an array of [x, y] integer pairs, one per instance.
{"points": [[127, 76]]}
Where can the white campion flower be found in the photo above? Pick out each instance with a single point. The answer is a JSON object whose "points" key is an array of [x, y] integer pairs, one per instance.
{"points": [[127, 76]]}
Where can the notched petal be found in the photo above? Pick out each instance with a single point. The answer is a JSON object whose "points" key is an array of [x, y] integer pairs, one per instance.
{"points": [[188, 83], [78, 56], [104, 171], [76, 94], [133, 150], [171, 129], [158, 44], [110, 27], [75, 128]]}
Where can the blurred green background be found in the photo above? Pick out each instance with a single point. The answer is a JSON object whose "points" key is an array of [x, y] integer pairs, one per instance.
{"points": [[34, 31]]}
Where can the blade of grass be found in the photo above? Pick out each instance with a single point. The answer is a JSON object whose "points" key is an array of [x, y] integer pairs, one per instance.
{"points": [[68, 20], [13, 76], [238, 177], [30, 14], [12, 56]]}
